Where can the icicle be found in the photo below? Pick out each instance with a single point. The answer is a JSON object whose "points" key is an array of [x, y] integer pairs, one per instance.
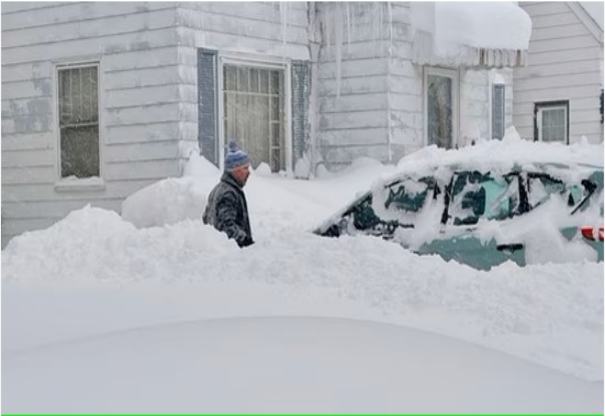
{"points": [[283, 12], [348, 28], [339, 29], [327, 25], [380, 20]]}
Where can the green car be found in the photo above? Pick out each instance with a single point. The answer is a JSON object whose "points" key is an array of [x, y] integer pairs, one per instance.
{"points": [[544, 212]]}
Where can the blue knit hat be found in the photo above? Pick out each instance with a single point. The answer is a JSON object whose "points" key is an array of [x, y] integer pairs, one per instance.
{"points": [[235, 158]]}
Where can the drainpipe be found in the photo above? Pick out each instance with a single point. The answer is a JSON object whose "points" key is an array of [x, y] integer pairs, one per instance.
{"points": [[314, 47], [389, 73]]}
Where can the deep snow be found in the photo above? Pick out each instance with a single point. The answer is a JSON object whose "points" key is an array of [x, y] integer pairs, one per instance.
{"points": [[96, 272], [284, 365]]}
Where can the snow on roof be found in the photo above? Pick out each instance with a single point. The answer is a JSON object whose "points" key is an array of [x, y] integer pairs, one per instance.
{"points": [[460, 28], [493, 25]]}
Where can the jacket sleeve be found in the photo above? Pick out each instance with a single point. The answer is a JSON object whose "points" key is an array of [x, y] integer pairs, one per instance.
{"points": [[226, 214], [205, 217]]}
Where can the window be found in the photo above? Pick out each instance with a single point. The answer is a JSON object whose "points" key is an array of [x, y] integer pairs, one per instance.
{"points": [[541, 187], [441, 107], [409, 195], [551, 122], [254, 113], [476, 195], [498, 111], [78, 120]]}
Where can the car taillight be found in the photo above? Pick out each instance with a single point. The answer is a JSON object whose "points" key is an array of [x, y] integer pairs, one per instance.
{"points": [[589, 232]]}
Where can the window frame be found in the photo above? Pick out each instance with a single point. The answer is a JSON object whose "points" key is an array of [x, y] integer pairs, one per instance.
{"points": [[242, 59], [80, 184], [539, 107], [454, 75]]}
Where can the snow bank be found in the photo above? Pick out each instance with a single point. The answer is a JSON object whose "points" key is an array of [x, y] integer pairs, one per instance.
{"points": [[509, 308], [165, 202], [204, 367], [273, 200], [95, 271]]}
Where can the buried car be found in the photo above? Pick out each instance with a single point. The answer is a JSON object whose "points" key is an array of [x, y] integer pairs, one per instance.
{"points": [[484, 211]]}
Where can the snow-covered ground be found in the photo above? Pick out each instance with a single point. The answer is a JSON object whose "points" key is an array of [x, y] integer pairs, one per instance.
{"points": [[284, 364], [95, 273]]}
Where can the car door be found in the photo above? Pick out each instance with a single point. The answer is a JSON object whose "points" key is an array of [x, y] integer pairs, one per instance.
{"points": [[473, 197]]}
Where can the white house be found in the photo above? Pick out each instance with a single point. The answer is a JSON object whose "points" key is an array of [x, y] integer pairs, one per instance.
{"points": [[102, 99], [557, 94]]}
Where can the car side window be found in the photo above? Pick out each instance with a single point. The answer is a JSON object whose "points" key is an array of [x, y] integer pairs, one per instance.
{"points": [[540, 188], [364, 217], [409, 195], [476, 195]]}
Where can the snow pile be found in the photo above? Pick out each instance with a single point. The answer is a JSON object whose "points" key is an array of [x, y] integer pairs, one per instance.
{"points": [[165, 202], [198, 166], [270, 364], [503, 154], [173, 200], [513, 309], [274, 202], [95, 271]]}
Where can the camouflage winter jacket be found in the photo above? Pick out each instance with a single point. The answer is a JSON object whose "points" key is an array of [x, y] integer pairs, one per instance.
{"points": [[227, 210]]}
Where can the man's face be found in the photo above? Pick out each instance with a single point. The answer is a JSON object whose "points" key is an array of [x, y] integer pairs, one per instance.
{"points": [[242, 174]]}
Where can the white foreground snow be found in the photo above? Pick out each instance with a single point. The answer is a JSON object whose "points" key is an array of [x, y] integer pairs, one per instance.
{"points": [[284, 365], [95, 273]]}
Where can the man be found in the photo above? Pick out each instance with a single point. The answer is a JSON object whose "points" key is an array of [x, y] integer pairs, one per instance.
{"points": [[226, 209]]}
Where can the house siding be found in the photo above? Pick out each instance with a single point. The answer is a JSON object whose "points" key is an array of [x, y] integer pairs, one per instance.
{"points": [[140, 107], [476, 102], [405, 102], [564, 63], [352, 105]]}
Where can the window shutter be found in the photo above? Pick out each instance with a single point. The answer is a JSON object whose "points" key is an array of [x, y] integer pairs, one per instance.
{"points": [[601, 109], [300, 107], [498, 117], [207, 104]]}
